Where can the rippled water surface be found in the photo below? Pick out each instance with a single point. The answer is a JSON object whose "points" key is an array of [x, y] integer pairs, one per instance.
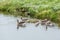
{"points": [[8, 31]]}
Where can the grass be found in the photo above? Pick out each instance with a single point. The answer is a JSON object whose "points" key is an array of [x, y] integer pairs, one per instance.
{"points": [[40, 9]]}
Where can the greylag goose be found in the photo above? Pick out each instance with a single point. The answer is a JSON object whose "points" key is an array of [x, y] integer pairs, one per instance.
{"points": [[37, 24], [24, 19], [20, 24], [50, 24], [43, 21]]}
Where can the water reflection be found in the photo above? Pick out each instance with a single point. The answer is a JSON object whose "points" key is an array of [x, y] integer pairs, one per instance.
{"points": [[45, 22], [8, 30]]}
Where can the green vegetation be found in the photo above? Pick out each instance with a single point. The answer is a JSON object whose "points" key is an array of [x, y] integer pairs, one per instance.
{"points": [[39, 9]]}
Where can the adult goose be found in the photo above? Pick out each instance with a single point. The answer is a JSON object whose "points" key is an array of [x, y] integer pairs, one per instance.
{"points": [[20, 24], [50, 24]]}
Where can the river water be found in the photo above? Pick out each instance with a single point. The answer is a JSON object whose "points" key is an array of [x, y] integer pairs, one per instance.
{"points": [[8, 30]]}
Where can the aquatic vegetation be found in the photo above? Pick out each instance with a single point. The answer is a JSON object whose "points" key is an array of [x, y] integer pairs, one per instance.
{"points": [[40, 9]]}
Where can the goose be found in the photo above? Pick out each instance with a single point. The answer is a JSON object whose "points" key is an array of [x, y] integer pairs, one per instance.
{"points": [[32, 21], [24, 19], [20, 24], [37, 23], [50, 24], [43, 21]]}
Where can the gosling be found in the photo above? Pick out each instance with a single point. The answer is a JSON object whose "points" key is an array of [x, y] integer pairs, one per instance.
{"points": [[43, 22], [24, 19]]}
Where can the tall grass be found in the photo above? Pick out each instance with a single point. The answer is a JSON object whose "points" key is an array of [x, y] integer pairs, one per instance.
{"points": [[40, 9]]}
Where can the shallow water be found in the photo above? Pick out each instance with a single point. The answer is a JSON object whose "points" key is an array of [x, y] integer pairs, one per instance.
{"points": [[8, 31]]}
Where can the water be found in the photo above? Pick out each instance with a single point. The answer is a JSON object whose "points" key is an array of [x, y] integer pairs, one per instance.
{"points": [[8, 31]]}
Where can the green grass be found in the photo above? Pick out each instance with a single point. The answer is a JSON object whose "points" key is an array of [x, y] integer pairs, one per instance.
{"points": [[39, 9]]}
